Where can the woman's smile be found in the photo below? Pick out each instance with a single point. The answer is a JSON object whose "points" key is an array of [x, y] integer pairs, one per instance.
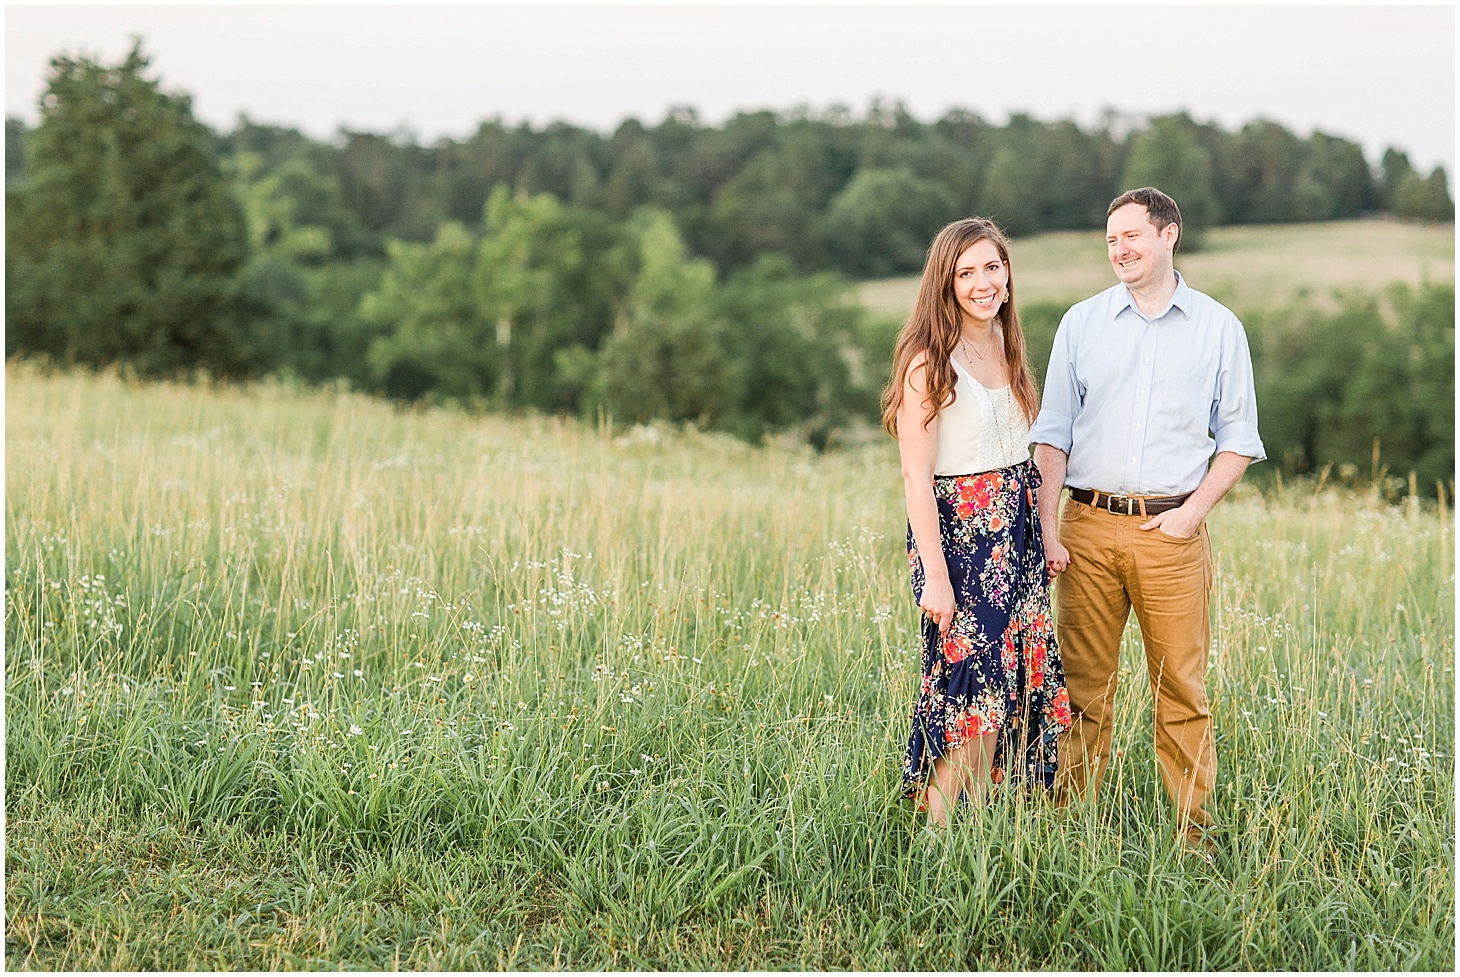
{"points": [[979, 279]]}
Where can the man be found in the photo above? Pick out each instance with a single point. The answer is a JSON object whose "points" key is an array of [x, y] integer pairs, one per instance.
{"points": [[1138, 377]]}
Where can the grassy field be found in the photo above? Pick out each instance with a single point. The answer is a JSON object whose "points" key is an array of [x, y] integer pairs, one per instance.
{"points": [[1243, 267], [301, 681]]}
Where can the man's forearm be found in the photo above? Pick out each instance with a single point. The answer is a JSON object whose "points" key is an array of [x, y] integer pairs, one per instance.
{"points": [[1226, 471], [1051, 462]]}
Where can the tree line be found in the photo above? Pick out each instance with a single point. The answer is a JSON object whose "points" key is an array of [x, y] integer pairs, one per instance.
{"points": [[681, 271], [828, 189]]}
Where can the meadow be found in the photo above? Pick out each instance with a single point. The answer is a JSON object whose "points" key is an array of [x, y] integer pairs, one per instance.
{"points": [[298, 680], [1246, 267]]}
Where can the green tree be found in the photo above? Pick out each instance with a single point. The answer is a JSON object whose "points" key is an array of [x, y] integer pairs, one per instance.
{"points": [[124, 241], [1302, 359], [1077, 177], [337, 336], [1169, 157], [433, 338], [882, 222], [493, 155], [1424, 198], [1400, 390], [766, 182], [1046, 176], [291, 287], [391, 184], [1395, 167], [774, 203], [665, 358], [15, 135], [796, 350], [272, 212], [635, 175], [1339, 168], [565, 162], [1331, 384], [1426, 316], [512, 319], [719, 154], [552, 279], [1009, 196], [970, 138]]}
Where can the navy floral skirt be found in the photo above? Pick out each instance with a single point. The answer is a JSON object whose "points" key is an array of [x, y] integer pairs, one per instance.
{"points": [[997, 668]]}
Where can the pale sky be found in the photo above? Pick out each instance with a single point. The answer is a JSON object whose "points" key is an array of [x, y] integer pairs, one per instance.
{"points": [[1380, 75]]}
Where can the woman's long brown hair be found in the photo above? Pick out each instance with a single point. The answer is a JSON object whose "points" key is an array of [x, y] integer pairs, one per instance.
{"points": [[934, 327]]}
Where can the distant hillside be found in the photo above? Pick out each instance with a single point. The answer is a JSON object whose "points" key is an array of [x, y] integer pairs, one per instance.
{"points": [[1248, 267]]}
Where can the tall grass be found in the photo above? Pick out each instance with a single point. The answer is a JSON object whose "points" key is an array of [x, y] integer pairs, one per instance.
{"points": [[304, 681]]}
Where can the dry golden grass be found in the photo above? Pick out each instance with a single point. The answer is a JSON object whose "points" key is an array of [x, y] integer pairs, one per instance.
{"points": [[1243, 267]]}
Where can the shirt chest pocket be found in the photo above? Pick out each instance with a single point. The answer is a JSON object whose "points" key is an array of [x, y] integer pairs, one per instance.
{"points": [[1111, 375], [1184, 394]]}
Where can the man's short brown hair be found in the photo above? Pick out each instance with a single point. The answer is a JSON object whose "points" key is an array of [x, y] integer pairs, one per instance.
{"points": [[1160, 208]]}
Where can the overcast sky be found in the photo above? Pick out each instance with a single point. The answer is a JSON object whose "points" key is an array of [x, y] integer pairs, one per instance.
{"points": [[1378, 75]]}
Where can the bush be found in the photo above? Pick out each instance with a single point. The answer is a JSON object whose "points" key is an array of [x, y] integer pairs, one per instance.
{"points": [[1380, 371]]}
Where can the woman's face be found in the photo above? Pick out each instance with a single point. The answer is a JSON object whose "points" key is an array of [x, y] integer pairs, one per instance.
{"points": [[979, 279]]}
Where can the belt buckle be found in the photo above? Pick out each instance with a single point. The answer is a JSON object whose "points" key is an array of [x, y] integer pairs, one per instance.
{"points": [[1127, 504]]}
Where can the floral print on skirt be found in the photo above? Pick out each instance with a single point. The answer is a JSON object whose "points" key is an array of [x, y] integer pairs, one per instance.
{"points": [[997, 668]]}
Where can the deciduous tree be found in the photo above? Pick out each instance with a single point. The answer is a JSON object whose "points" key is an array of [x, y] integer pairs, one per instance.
{"points": [[1167, 156]]}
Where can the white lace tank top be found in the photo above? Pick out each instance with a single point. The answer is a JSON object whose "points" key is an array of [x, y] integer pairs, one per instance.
{"points": [[981, 430]]}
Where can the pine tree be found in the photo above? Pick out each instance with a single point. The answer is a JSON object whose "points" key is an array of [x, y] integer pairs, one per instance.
{"points": [[124, 242]]}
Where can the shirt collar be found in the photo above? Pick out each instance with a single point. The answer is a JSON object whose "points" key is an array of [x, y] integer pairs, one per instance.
{"points": [[1180, 299]]}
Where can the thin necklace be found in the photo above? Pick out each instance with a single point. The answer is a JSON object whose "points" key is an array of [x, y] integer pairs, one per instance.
{"points": [[993, 407], [967, 345], [968, 348], [1000, 425]]}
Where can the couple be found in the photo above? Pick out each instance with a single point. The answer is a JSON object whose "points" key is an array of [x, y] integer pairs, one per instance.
{"points": [[1137, 378]]}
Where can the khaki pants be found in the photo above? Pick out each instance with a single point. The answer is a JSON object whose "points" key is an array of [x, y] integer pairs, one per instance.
{"points": [[1115, 566]]}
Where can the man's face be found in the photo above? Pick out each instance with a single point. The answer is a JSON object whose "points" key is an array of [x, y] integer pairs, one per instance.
{"points": [[1140, 254]]}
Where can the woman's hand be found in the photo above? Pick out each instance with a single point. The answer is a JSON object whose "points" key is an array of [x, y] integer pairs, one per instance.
{"points": [[937, 603], [917, 444], [1056, 557]]}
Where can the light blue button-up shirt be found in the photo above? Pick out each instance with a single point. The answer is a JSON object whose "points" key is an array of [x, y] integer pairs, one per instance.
{"points": [[1140, 405]]}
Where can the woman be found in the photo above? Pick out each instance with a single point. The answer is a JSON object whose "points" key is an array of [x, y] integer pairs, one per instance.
{"points": [[960, 403]]}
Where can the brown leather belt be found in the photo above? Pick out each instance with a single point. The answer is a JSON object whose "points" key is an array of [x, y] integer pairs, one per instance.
{"points": [[1128, 505]]}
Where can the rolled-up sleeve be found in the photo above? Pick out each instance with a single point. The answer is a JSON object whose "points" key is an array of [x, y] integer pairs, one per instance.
{"points": [[1055, 424], [1234, 410]]}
